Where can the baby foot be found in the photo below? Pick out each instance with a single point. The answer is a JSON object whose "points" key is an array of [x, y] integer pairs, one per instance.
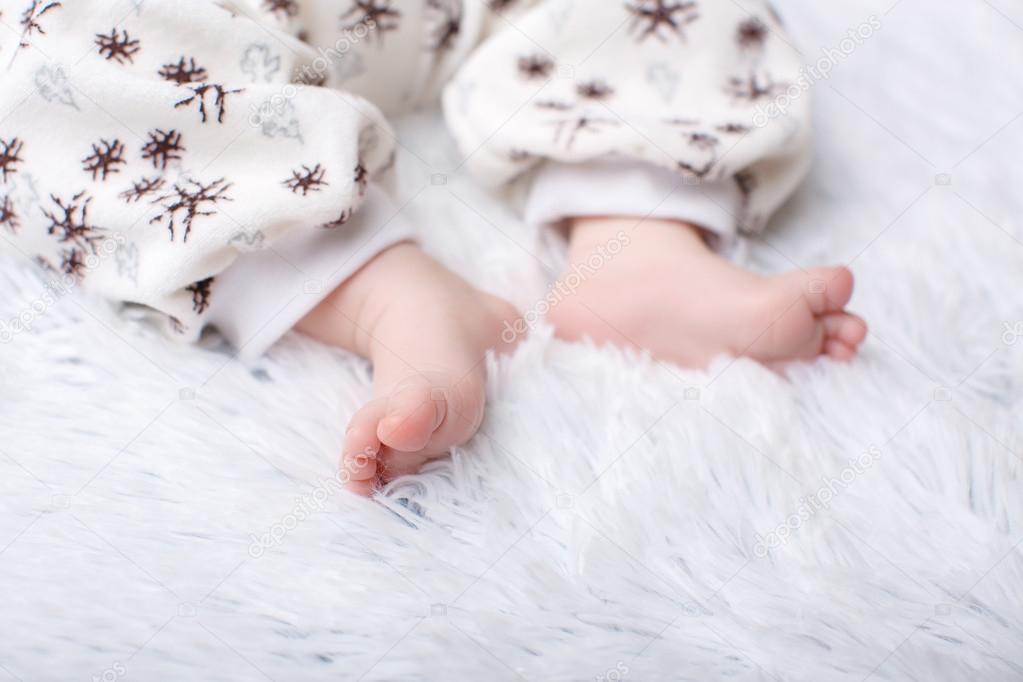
{"points": [[427, 333], [420, 418], [668, 293]]}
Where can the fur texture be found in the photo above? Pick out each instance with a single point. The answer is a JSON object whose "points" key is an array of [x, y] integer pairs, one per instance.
{"points": [[167, 513]]}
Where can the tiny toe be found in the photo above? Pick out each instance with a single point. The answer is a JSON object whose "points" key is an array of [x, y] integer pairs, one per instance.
{"points": [[358, 458], [363, 488], [828, 289], [394, 464], [839, 350], [413, 414], [845, 327], [359, 465]]}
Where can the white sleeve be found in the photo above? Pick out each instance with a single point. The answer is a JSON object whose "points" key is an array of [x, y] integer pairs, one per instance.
{"points": [[621, 187], [266, 292]]}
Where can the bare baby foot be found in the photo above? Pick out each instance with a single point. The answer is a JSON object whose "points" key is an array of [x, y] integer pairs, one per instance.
{"points": [[667, 292], [427, 332]]}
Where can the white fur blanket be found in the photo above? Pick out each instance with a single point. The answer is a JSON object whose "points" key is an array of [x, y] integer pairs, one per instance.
{"points": [[169, 514]]}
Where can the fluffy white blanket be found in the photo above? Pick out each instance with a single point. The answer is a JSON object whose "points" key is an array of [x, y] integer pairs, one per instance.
{"points": [[169, 514]]}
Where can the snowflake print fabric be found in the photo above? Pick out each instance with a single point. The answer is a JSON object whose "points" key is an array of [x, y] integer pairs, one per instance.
{"points": [[222, 128], [632, 98], [106, 158], [118, 48], [168, 161]]}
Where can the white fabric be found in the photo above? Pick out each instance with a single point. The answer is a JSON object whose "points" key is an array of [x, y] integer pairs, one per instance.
{"points": [[262, 295], [618, 187]]}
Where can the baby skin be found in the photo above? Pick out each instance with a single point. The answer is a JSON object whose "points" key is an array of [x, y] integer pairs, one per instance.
{"points": [[667, 292], [427, 331]]}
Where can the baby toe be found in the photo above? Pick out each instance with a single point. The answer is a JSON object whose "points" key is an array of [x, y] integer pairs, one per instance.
{"points": [[838, 350], [359, 471], [394, 464], [358, 458], [845, 327], [827, 289], [412, 415]]}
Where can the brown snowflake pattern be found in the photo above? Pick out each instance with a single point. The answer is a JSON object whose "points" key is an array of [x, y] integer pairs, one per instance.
{"points": [[142, 188], [188, 201], [284, 8], [306, 180], [751, 34], [580, 124], [69, 223], [733, 128], [595, 90], [30, 19], [535, 66], [703, 141], [119, 48], [700, 171], [752, 89], [199, 93], [650, 16], [8, 216], [183, 72], [448, 23], [700, 140], [200, 291], [361, 178], [10, 156], [106, 159], [73, 262], [345, 216], [378, 16], [163, 147]]}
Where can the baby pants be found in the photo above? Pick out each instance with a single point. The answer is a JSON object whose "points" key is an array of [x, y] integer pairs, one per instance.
{"points": [[197, 157]]}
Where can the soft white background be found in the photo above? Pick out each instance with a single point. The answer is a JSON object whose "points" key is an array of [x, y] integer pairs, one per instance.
{"points": [[603, 523]]}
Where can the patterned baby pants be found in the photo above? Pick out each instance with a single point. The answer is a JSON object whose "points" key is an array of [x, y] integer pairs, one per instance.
{"points": [[193, 156]]}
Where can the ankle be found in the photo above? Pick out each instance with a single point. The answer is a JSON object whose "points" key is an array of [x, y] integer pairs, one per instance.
{"points": [[589, 235], [349, 315]]}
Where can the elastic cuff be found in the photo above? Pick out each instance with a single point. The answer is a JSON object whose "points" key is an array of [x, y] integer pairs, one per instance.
{"points": [[264, 294], [621, 187]]}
